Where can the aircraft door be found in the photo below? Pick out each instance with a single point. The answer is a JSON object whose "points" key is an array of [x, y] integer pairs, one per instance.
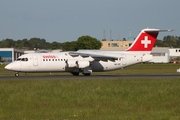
{"points": [[124, 59], [35, 60], [20, 65]]}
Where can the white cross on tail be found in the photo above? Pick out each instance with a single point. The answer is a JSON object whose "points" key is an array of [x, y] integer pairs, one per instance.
{"points": [[146, 42]]}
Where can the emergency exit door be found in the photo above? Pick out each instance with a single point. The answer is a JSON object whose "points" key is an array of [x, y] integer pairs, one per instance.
{"points": [[35, 60], [124, 59]]}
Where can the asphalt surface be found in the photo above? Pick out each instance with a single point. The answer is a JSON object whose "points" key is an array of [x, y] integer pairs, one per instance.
{"points": [[82, 77]]}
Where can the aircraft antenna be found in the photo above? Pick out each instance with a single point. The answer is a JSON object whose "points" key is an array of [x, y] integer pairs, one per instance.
{"points": [[129, 33], [10, 34], [110, 35], [118, 35], [104, 34]]}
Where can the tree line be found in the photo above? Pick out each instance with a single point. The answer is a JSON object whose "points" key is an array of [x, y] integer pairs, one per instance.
{"points": [[169, 41], [83, 42]]}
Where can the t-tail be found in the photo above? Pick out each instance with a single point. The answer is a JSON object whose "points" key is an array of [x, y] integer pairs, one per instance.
{"points": [[145, 41]]}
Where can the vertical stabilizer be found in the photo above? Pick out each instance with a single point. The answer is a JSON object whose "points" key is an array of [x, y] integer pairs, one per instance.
{"points": [[145, 40]]}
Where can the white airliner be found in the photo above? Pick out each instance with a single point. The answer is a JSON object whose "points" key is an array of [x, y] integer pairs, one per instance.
{"points": [[88, 61]]}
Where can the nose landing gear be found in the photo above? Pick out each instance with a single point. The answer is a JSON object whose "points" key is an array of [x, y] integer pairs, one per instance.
{"points": [[16, 74]]}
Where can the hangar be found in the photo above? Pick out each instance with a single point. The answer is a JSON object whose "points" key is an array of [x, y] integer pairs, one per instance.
{"points": [[160, 56], [10, 54], [174, 52]]}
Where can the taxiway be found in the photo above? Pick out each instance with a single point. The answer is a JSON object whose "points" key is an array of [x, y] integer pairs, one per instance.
{"points": [[81, 77]]}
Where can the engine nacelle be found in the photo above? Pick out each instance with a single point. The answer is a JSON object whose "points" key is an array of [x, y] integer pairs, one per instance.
{"points": [[83, 63], [71, 63]]}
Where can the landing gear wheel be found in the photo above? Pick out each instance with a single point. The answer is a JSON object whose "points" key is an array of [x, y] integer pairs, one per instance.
{"points": [[87, 74], [75, 73], [17, 74]]}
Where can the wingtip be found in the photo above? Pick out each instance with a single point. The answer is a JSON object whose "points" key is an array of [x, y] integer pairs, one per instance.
{"points": [[171, 30]]}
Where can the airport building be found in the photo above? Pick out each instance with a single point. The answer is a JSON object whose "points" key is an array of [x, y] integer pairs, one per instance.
{"points": [[10, 54], [116, 44], [174, 52], [160, 55]]}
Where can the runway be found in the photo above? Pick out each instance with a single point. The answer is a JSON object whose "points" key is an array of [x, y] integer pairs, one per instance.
{"points": [[81, 77]]}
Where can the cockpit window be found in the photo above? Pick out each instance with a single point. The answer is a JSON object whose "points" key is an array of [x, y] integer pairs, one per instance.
{"points": [[22, 59], [19, 59]]}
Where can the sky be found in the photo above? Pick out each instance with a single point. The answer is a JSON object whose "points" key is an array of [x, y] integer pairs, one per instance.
{"points": [[67, 20]]}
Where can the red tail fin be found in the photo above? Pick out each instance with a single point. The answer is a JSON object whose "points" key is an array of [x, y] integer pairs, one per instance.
{"points": [[145, 40]]}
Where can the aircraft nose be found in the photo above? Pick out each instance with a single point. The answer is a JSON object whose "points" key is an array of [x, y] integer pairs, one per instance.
{"points": [[8, 67]]}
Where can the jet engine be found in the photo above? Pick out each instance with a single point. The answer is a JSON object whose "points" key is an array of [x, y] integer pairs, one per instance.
{"points": [[82, 63], [71, 63]]}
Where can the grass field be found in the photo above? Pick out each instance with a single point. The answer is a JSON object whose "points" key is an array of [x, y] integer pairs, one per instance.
{"points": [[118, 99]]}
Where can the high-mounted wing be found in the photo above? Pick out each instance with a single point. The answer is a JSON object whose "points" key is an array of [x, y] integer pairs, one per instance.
{"points": [[94, 56]]}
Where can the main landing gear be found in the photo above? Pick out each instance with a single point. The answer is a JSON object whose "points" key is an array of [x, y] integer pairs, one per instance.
{"points": [[77, 74], [86, 74], [85, 71]]}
